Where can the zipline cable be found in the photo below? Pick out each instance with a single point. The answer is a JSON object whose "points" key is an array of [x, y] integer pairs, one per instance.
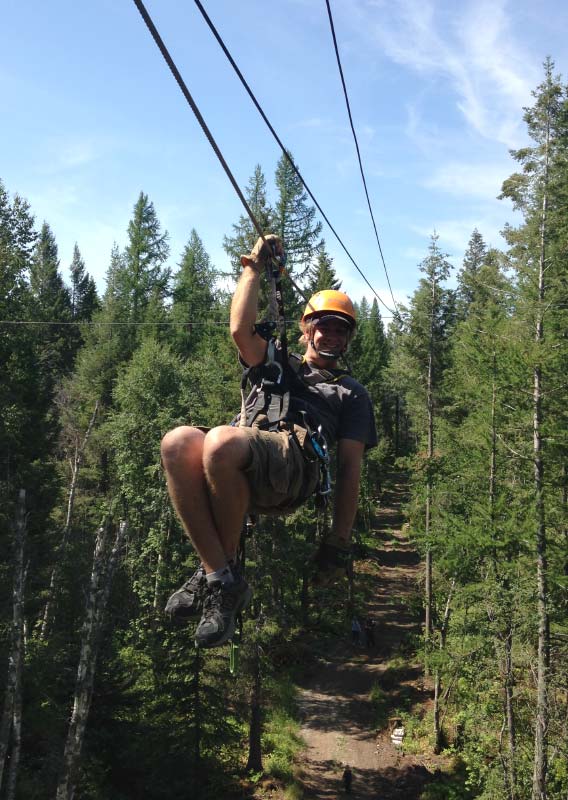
{"points": [[117, 324], [357, 148], [283, 148], [186, 93]]}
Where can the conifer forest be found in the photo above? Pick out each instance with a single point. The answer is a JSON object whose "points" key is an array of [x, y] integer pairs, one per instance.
{"points": [[103, 698]]}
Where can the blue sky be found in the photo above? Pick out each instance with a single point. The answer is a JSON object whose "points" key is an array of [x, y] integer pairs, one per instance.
{"points": [[90, 116]]}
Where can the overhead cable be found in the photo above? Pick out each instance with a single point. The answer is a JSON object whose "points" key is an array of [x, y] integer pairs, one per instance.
{"points": [[283, 148], [186, 93], [357, 148], [92, 323]]}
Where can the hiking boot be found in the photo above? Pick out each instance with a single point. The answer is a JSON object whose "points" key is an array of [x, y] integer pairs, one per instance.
{"points": [[223, 603], [188, 601], [331, 563]]}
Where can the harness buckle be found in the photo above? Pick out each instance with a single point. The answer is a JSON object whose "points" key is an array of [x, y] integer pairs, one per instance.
{"points": [[319, 444]]}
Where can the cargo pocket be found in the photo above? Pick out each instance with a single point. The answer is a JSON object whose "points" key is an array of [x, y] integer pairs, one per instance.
{"points": [[278, 469]]}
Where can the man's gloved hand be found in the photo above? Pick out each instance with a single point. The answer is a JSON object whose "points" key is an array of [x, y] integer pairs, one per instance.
{"points": [[262, 252]]}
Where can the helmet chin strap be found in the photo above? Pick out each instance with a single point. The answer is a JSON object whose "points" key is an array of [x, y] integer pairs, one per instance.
{"points": [[329, 354]]}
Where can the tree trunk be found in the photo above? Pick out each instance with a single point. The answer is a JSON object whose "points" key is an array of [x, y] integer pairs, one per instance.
{"points": [[254, 763], [430, 455], [160, 567], [10, 728], [56, 571], [438, 739], [509, 770], [509, 683], [305, 597], [197, 717], [16, 744], [104, 565], [397, 426], [543, 649]]}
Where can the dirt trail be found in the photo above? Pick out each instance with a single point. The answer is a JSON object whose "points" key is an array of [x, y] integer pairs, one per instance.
{"points": [[338, 720]]}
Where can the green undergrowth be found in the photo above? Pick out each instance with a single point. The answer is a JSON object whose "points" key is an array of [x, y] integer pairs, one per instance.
{"points": [[281, 741]]}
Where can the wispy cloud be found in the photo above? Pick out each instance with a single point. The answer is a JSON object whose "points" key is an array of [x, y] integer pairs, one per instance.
{"points": [[455, 234], [472, 45], [311, 122], [469, 179], [66, 156], [76, 154]]}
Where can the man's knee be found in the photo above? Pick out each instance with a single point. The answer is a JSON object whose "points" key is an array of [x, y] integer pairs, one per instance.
{"points": [[226, 446], [180, 445]]}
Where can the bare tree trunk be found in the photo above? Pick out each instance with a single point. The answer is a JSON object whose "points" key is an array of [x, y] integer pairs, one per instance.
{"points": [[104, 565], [430, 455], [160, 565], [197, 714], [509, 683], [10, 727], [254, 763], [397, 426], [437, 676], [305, 597], [57, 568], [543, 649], [16, 744]]}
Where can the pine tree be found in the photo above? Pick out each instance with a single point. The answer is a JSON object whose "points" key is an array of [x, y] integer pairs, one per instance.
{"points": [[193, 299], [84, 298], [140, 281], [322, 275], [540, 193], [473, 259], [51, 306], [422, 358], [374, 353], [295, 220], [20, 395], [244, 232]]}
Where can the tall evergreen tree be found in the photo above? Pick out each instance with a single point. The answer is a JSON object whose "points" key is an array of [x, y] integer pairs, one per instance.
{"points": [[473, 259], [84, 297], [140, 280], [244, 233], [295, 220], [19, 374], [540, 193], [51, 307], [193, 296], [322, 275]]}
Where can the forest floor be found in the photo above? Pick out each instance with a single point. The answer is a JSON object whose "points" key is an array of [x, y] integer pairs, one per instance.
{"points": [[340, 722]]}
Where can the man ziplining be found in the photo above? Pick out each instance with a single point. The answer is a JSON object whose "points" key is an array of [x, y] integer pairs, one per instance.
{"points": [[274, 462]]}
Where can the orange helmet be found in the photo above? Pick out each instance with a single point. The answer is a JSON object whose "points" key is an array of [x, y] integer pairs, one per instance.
{"points": [[330, 301]]}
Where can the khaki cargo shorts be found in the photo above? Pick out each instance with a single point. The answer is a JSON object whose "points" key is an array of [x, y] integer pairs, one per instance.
{"points": [[283, 472]]}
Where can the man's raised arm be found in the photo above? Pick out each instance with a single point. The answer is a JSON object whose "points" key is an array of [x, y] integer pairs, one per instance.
{"points": [[244, 305]]}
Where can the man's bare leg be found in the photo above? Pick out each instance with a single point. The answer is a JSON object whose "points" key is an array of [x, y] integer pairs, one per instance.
{"points": [[182, 457], [204, 473], [226, 453], [208, 488]]}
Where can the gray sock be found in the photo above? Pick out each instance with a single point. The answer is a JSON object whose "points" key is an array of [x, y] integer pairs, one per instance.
{"points": [[224, 575]]}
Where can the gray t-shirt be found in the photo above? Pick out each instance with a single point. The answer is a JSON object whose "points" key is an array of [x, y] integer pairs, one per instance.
{"points": [[340, 405]]}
